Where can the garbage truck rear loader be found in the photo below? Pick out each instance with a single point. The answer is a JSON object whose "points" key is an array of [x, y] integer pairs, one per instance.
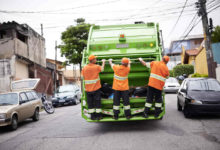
{"points": [[118, 41]]}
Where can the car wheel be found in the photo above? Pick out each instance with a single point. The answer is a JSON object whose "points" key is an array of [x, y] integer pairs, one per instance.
{"points": [[179, 107], [36, 115], [186, 111], [14, 123]]}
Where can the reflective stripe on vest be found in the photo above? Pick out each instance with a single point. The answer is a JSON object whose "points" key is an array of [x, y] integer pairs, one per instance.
{"points": [[91, 110], [148, 105], [120, 78], [158, 77], [116, 107], [91, 81], [98, 110], [158, 104], [127, 107]]}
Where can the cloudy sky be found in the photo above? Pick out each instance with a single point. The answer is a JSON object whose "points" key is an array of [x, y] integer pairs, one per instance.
{"points": [[56, 15]]}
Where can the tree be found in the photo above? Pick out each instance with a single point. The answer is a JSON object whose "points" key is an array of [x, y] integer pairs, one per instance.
{"points": [[74, 40], [216, 35]]}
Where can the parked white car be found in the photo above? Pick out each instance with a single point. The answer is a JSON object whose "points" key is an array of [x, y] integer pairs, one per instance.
{"points": [[171, 85]]}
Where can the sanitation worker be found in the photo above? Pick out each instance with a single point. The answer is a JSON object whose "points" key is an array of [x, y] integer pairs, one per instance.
{"points": [[121, 87], [90, 74], [158, 75]]}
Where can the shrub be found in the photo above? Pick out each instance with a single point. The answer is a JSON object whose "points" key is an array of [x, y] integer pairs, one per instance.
{"points": [[196, 75], [171, 73], [183, 69]]}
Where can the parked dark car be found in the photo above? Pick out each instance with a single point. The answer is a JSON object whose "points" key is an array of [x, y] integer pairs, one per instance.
{"points": [[199, 96], [67, 95]]}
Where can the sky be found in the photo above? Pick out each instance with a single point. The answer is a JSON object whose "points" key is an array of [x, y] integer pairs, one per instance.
{"points": [[57, 15]]}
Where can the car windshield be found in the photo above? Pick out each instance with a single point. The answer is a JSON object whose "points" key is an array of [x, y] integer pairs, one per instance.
{"points": [[171, 80], [66, 88], [8, 99], [204, 85]]}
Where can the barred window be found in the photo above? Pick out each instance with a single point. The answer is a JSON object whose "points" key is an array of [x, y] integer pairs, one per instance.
{"points": [[5, 68]]}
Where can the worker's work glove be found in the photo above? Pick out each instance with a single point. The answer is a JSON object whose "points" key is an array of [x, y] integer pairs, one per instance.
{"points": [[129, 61], [140, 59], [103, 60], [110, 60]]}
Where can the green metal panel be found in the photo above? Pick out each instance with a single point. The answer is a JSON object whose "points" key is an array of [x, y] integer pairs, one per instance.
{"points": [[140, 40]]}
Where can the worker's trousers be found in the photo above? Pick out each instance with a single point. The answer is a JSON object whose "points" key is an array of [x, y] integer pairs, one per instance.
{"points": [[94, 102], [116, 102], [151, 95]]}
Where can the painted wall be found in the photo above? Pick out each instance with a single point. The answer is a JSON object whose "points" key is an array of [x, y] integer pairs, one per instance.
{"points": [[201, 62], [216, 52], [21, 70], [218, 72]]}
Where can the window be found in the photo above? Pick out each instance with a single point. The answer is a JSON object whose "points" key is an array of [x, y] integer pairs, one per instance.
{"points": [[30, 96], [35, 95], [23, 97]]}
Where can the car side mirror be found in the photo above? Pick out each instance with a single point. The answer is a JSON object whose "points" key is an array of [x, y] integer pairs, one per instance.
{"points": [[183, 90]]}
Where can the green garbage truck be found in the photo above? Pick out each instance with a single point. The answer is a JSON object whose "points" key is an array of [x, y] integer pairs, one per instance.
{"points": [[117, 41]]}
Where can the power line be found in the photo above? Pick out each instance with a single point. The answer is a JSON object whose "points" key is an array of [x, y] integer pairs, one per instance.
{"points": [[55, 12], [178, 18], [195, 24], [58, 10]]}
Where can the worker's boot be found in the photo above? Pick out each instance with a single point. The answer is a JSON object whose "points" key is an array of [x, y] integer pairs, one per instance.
{"points": [[128, 114], [115, 116], [157, 112], [146, 111], [98, 116], [93, 116], [116, 112]]}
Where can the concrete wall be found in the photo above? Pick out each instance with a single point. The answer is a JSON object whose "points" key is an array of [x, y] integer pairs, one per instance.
{"points": [[36, 49], [7, 47], [201, 62], [7, 72], [21, 70], [21, 48]]}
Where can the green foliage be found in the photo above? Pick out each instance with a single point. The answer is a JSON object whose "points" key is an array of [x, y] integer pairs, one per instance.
{"points": [[74, 40], [216, 35], [183, 69], [196, 75], [171, 73]]}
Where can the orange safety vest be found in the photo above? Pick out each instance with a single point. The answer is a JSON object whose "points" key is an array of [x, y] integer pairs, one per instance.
{"points": [[90, 74], [159, 72], [120, 82]]}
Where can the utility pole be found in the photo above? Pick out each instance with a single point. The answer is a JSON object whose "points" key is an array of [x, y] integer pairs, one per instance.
{"points": [[201, 4], [55, 72], [162, 43], [41, 27]]}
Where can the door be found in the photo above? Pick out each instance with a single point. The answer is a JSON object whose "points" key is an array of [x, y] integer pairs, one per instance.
{"points": [[182, 93], [23, 107]]}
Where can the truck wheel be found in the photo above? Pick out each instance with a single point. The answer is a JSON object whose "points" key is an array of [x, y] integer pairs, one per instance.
{"points": [[179, 107], [14, 123], [36, 115]]}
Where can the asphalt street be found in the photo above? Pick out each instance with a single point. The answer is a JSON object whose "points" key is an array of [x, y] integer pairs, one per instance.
{"points": [[66, 130]]}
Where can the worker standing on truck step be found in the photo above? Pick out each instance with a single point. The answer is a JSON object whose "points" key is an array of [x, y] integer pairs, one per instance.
{"points": [[90, 74], [158, 75], [121, 87]]}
